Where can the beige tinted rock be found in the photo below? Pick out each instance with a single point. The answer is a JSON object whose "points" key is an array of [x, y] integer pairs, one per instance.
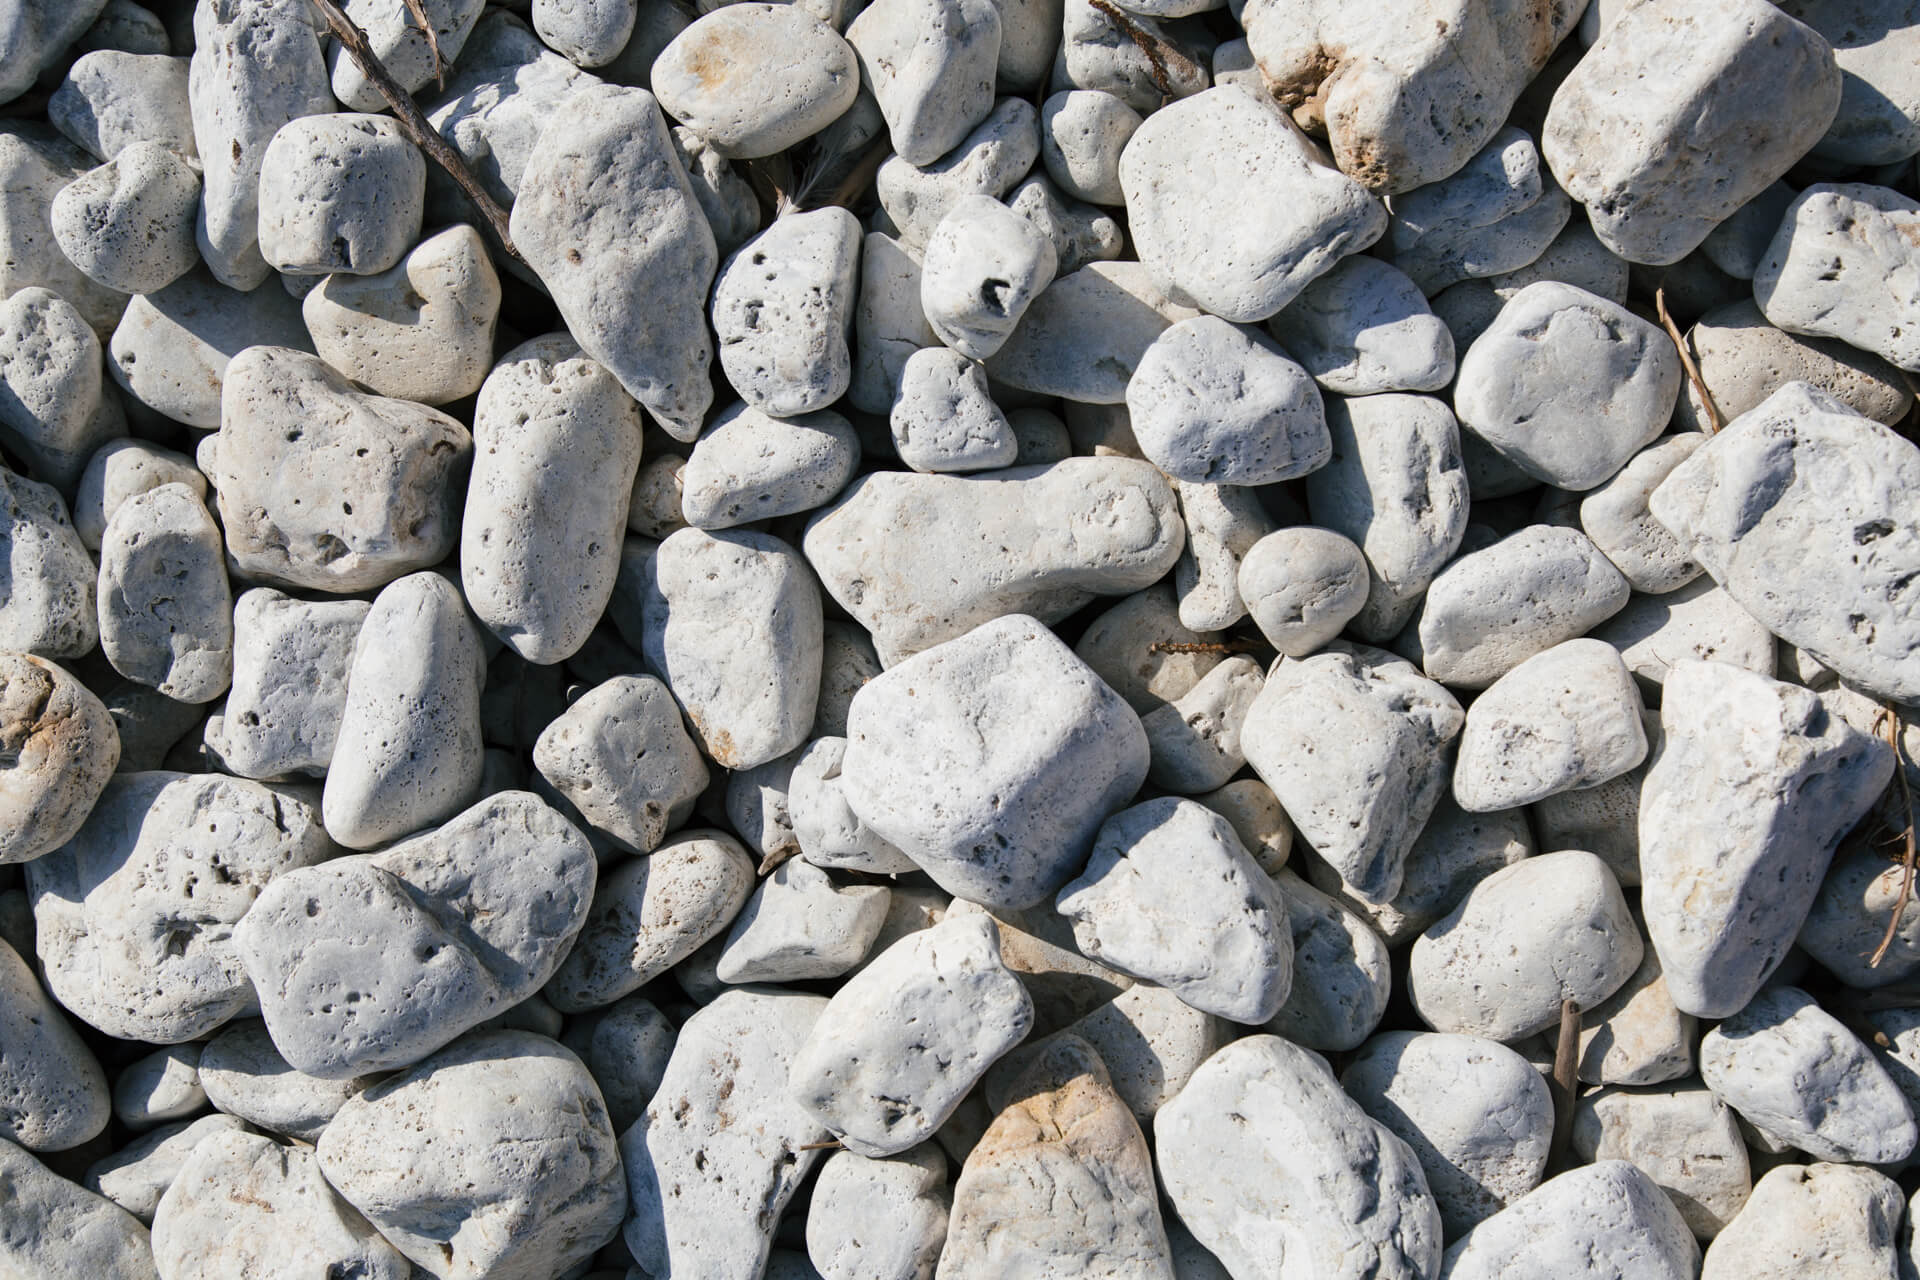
{"points": [[622, 757], [1685, 1139], [756, 80], [421, 330], [60, 747], [1743, 360], [1636, 1036], [1834, 1221], [1120, 646]]}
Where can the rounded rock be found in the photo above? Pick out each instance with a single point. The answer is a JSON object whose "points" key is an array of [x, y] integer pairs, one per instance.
{"points": [[1303, 585], [53, 1094], [58, 748], [983, 266], [748, 466], [129, 223], [166, 611], [754, 79], [340, 193]]}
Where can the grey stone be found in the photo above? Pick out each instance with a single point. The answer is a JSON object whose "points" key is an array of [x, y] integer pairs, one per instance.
{"points": [[291, 658], [627, 1048], [1833, 1221], [246, 1205], [255, 68], [1352, 741], [783, 307], [1743, 360], [408, 750], [879, 1219], [1879, 118], [800, 925], [1170, 895], [629, 267], [1476, 1115], [136, 914], [825, 826], [166, 611], [1224, 523], [373, 962], [748, 466], [905, 1039], [989, 161], [129, 223], [118, 470], [1567, 385], [1407, 98], [138, 1174], [164, 1085], [1616, 516], [1659, 166], [1341, 973], [246, 1077], [1549, 928], [1223, 405], [1082, 133], [1498, 214], [622, 757], [587, 33], [1303, 585], [407, 52], [919, 559], [295, 436], [889, 324], [1575, 257], [171, 349], [30, 258], [1563, 720], [1606, 1221], [1737, 245], [58, 1229], [1792, 1069], [1194, 742], [112, 98], [1856, 903], [54, 408], [1084, 337], [757, 79], [944, 419], [723, 1146], [727, 199], [1120, 646], [754, 698], [1230, 205], [1013, 822], [651, 913], [1492, 609], [1302, 1153], [53, 1094], [1097, 52], [340, 192], [1364, 328], [1700, 620], [420, 330], [984, 265], [1685, 1139], [492, 1158], [1081, 233], [1834, 267], [59, 748], [931, 66]]}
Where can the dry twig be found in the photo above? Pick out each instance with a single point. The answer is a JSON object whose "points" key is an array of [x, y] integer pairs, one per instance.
{"points": [[418, 10], [1714, 420], [1566, 1083], [1157, 50], [1907, 859], [1235, 644], [411, 121], [831, 1144]]}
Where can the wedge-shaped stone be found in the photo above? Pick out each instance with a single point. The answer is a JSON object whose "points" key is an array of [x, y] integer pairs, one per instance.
{"points": [[1607, 1221]]}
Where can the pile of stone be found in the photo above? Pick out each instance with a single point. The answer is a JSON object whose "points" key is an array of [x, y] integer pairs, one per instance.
{"points": [[959, 638]]}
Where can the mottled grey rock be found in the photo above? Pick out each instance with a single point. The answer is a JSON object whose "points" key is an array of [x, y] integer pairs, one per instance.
{"points": [[1010, 818], [1491, 610], [166, 611], [1224, 523], [1793, 1070], [783, 307], [756, 79], [1476, 1115], [290, 663], [374, 961], [171, 349], [1700, 620], [58, 1229], [135, 915], [1567, 385], [58, 748], [1301, 1152], [1231, 206], [1607, 1221], [1549, 928], [1833, 1221], [138, 1174], [1497, 215], [723, 1146], [752, 699], [30, 178], [800, 925], [1834, 267], [1081, 233], [748, 466], [1685, 1139], [1082, 134], [622, 757], [1879, 118], [246, 1205], [984, 265], [111, 99], [1616, 516], [118, 470], [408, 750], [1194, 742], [997, 154], [406, 51], [1218, 404], [295, 436], [421, 330], [825, 827], [904, 1039], [944, 419], [1405, 98], [1563, 720], [588, 33], [1086, 335], [53, 1094], [1060, 1183], [340, 192], [651, 913], [1659, 164], [129, 223], [606, 218], [930, 64], [889, 325], [879, 1219], [1364, 328], [255, 68], [54, 408], [1097, 52], [1353, 741], [164, 1085], [49, 607], [1341, 972], [1170, 895], [918, 559], [492, 1158], [246, 1077], [1303, 585], [1743, 360]]}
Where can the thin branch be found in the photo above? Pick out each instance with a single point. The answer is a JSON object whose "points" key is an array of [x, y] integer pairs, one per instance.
{"points": [[418, 10], [411, 121], [1154, 47], [1907, 859], [1714, 420], [773, 861], [853, 186], [1234, 645], [1566, 1083], [831, 1144]]}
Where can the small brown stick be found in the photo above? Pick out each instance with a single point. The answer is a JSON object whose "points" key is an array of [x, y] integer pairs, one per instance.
{"points": [[1234, 645], [1566, 1083], [772, 862], [418, 10], [1907, 859], [858, 180], [831, 1144], [1156, 49], [1714, 420], [411, 121]]}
